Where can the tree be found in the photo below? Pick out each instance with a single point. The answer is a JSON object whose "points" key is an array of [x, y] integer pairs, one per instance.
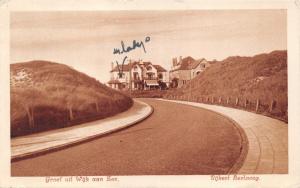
{"points": [[162, 85], [174, 83]]}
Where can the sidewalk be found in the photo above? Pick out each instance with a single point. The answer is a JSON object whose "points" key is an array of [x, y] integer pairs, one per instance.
{"points": [[267, 139], [30, 145]]}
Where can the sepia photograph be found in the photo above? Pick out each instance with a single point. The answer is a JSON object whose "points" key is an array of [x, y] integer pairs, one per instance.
{"points": [[149, 92], [100, 95]]}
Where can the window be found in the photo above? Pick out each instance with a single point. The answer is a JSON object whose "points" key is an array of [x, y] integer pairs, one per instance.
{"points": [[135, 76], [150, 75], [160, 76], [149, 68]]}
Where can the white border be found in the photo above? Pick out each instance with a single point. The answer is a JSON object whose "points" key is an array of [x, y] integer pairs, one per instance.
{"points": [[290, 180]]}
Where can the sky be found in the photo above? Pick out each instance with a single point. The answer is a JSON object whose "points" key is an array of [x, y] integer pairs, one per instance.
{"points": [[85, 40]]}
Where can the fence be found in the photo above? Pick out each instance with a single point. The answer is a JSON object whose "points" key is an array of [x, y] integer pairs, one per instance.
{"points": [[45, 117], [271, 108]]}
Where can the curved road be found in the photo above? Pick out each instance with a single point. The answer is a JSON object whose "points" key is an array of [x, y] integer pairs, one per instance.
{"points": [[267, 139], [176, 139]]}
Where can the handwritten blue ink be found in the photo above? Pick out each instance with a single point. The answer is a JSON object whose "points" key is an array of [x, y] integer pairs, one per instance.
{"points": [[121, 70], [135, 45]]}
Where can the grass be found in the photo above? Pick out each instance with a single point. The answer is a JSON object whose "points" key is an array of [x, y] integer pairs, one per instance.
{"points": [[262, 77], [53, 95]]}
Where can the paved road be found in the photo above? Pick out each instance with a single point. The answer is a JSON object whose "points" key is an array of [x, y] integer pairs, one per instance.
{"points": [[267, 139], [176, 139], [35, 144]]}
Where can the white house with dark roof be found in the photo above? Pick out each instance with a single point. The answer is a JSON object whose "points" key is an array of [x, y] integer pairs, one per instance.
{"points": [[138, 75], [186, 69]]}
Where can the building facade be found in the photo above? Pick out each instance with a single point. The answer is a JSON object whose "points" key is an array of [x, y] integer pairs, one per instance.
{"points": [[185, 69], [138, 75]]}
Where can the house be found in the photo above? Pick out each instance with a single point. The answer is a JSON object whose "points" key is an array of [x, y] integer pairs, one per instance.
{"points": [[138, 75], [186, 69]]}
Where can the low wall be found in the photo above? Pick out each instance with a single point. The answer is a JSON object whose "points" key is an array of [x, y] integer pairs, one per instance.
{"points": [[270, 108]]}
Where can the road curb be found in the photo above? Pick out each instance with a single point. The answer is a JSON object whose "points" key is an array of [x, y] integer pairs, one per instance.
{"points": [[80, 141], [244, 140]]}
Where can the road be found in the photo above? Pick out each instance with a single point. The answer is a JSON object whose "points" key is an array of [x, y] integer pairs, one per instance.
{"points": [[176, 139], [267, 139]]}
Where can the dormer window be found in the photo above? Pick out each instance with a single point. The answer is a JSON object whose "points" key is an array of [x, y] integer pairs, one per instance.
{"points": [[149, 68], [135, 68]]}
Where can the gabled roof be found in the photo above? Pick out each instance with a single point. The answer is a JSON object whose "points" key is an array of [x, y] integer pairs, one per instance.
{"points": [[126, 67], [196, 63], [160, 68], [193, 65], [147, 63], [188, 63]]}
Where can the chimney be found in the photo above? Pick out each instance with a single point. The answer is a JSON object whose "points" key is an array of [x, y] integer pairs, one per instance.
{"points": [[111, 74], [140, 62], [174, 61], [130, 64], [180, 59]]}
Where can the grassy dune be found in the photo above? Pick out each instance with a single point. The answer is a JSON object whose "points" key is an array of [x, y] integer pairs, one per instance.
{"points": [[262, 77], [46, 95]]}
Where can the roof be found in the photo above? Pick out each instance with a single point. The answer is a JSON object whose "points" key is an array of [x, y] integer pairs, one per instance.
{"points": [[147, 63], [193, 65], [160, 68], [126, 67], [188, 63]]}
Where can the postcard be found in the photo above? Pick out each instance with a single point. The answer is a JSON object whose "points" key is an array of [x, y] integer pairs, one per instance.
{"points": [[133, 93]]}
